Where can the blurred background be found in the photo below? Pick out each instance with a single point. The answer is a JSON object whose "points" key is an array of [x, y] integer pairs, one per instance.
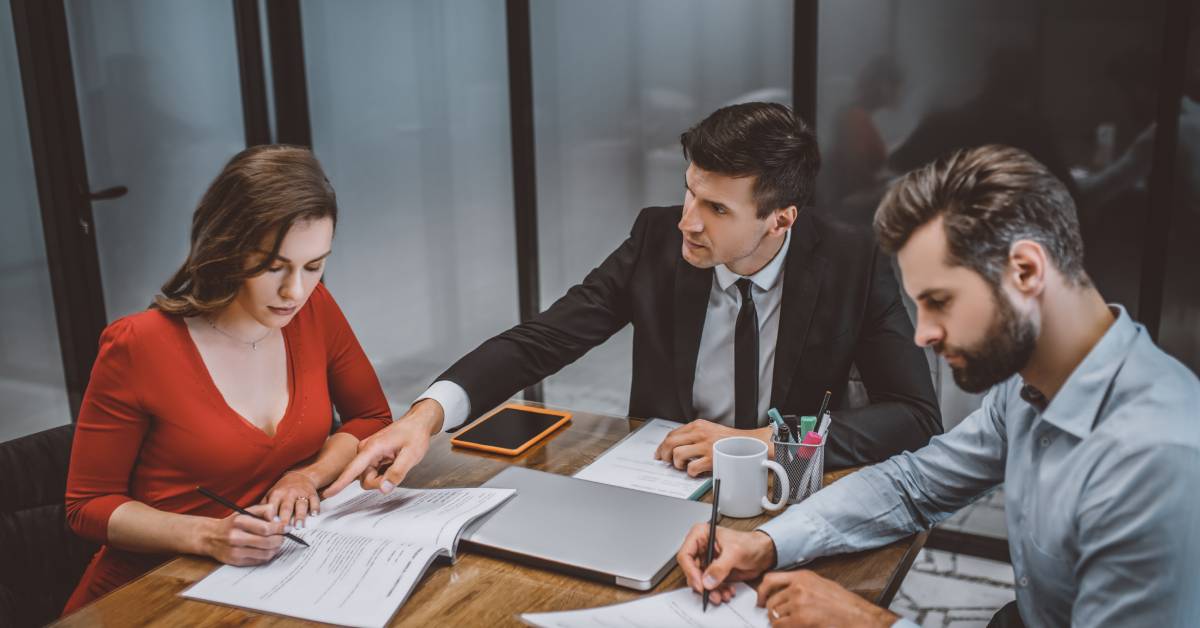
{"points": [[487, 154]]}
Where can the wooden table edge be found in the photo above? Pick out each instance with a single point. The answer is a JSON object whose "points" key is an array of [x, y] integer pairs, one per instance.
{"points": [[901, 571]]}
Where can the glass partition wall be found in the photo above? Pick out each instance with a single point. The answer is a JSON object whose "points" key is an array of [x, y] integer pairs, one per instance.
{"points": [[409, 108], [615, 83], [32, 388]]}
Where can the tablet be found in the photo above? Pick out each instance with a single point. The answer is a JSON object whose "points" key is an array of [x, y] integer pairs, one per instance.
{"points": [[511, 429]]}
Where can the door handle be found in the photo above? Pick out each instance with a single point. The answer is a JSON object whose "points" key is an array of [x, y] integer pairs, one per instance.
{"points": [[108, 194]]}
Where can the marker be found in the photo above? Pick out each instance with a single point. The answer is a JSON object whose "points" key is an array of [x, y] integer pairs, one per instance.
{"points": [[807, 424]]}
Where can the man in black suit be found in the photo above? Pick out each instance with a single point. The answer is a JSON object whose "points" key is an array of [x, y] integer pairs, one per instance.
{"points": [[740, 301]]}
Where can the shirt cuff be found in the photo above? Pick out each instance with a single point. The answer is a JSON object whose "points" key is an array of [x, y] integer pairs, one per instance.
{"points": [[456, 405], [904, 622], [797, 537]]}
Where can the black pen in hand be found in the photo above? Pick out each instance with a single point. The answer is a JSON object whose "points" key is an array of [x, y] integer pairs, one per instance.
{"points": [[712, 536], [234, 507]]}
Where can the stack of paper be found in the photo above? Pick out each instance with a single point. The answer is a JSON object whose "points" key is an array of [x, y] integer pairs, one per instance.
{"points": [[367, 552], [631, 464]]}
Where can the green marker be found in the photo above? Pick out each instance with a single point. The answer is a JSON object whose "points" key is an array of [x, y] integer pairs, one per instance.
{"points": [[807, 424]]}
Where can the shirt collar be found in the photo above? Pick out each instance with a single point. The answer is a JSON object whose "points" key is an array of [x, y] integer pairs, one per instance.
{"points": [[766, 277], [1075, 407]]}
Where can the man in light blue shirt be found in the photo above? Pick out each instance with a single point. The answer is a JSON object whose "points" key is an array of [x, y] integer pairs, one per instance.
{"points": [[1094, 431]]}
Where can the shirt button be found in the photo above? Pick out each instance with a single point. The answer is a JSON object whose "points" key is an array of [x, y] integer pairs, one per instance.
{"points": [[1045, 442], [1023, 581]]}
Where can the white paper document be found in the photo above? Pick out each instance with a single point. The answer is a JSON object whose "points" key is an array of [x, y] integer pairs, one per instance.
{"points": [[631, 464], [367, 552], [681, 607]]}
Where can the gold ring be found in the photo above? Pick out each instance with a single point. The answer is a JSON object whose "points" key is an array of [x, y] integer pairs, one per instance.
{"points": [[301, 499], [775, 613]]}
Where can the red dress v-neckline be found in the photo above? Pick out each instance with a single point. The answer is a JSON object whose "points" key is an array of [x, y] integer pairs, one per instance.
{"points": [[205, 378]]}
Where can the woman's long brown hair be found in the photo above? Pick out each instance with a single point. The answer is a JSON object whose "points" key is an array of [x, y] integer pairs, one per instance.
{"points": [[263, 190]]}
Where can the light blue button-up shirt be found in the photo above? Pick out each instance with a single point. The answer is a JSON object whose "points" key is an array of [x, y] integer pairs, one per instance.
{"points": [[1102, 489]]}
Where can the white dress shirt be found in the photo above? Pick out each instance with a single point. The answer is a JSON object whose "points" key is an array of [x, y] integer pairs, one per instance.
{"points": [[712, 391]]}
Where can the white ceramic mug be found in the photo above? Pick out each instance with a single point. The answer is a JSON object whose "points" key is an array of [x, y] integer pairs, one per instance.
{"points": [[741, 464]]}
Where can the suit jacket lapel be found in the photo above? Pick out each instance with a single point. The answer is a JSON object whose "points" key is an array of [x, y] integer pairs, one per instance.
{"points": [[692, 287], [802, 276]]}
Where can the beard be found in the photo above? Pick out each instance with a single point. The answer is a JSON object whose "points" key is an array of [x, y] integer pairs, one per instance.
{"points": [[1006, 349]]}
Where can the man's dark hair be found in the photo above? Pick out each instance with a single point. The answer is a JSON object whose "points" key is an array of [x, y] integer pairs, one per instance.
{"points": [[759, 139], [988, 197]]}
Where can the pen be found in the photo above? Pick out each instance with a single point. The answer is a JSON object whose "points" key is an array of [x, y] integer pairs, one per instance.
{"points": [[825, 421], [232, 506], [824, 405], [793, 428], [781, 432], [712, 536]]}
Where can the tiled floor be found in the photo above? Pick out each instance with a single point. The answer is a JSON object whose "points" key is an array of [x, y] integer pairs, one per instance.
{"points": [[945, 589]]}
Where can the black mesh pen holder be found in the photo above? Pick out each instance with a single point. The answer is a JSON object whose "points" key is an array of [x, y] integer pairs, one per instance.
{"points": [[805, 467]]}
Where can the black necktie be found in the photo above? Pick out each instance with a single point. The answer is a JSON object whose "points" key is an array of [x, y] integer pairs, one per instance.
{"points": [[745, 362]]}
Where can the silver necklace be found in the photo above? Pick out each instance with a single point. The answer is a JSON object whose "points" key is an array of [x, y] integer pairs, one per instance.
{"points": [[253, 344]]}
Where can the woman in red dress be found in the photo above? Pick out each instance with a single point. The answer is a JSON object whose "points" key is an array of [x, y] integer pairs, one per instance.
{"points": [[228, 382]]}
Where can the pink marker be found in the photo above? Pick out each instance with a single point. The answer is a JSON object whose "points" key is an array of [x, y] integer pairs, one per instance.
{"points": [[811, 438]]}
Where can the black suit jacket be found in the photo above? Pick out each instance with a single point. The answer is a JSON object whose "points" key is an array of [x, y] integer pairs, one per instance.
{"points": [[840, 305]]}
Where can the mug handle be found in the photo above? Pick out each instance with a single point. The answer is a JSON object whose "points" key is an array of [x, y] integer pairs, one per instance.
{"points": [[782, 478]]}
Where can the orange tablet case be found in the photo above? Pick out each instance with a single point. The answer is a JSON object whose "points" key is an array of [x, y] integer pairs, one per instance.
{"points": [[565, 416]]}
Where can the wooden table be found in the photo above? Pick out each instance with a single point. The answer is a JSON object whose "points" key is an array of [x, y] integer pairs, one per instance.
{"points": [[479, 590]]}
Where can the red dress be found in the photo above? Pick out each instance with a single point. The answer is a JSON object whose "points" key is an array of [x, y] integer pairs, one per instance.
{"points": [[153, 426]]}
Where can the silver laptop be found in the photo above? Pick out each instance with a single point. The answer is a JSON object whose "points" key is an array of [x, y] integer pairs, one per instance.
{"points": [[596, 531]]}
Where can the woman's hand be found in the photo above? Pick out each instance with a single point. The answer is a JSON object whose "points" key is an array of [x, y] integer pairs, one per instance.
{"points": [[293, 498], [241, 539]]}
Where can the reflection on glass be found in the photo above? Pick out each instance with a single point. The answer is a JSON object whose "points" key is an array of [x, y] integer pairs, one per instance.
{"points": [[1179, 332], [161, 111], [1072, 83], [409, 107], [32, 390], [615, 83]]}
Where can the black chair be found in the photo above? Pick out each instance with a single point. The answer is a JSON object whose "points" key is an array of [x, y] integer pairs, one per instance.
{"points": [[41, 559]]}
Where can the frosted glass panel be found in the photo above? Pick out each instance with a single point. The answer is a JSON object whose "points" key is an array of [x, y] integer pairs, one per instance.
{"points": [[1072, 83], [409, 106], [615, 83], [1179, 331], [33, 394], [161, 111]]}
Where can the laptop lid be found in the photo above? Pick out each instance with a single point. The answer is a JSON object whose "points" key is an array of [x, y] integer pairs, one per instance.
{"points": [[597, 531]]}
